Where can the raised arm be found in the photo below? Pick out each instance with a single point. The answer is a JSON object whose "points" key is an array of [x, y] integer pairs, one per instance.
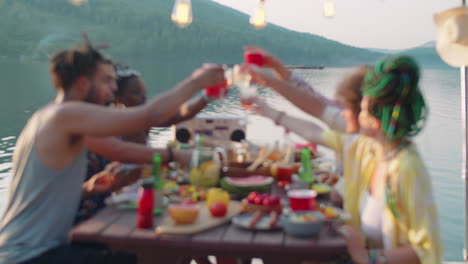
{"points": [[187, 110], [128, 152], [304, 128], [296, 90], [301, 98], [87, 119], [270, 61]]}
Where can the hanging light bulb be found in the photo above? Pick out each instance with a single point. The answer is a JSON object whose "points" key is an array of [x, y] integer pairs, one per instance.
{"points": [[77, 2], [258, 18], [182, 13], [329, 8]]}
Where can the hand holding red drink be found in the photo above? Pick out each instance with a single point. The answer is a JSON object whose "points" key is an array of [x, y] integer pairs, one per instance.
{"points": [[220, 89], [208, 75], [254, 58], [257, 56]]}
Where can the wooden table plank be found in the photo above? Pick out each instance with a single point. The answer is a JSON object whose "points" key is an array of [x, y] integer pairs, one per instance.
{"points": [[269, 238], [90, 229], [236, 235], [327, 243], [117, 229], [208, 242], [214, 235]]}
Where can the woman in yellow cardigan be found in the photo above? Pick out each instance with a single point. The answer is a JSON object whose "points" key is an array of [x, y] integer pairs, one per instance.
{"points": [[387, 187]]}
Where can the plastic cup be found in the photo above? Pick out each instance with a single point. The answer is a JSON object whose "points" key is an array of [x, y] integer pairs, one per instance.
{"points": [[247, 96], [254, 58], [302, 200], [217, 90], [247, 92], [284, 173]]}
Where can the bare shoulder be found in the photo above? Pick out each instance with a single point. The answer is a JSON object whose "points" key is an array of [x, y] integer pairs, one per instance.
{"points": [[55, 146]]}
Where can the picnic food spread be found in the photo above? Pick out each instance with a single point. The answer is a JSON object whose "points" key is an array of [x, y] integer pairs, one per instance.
{"points": [[205, 198]]}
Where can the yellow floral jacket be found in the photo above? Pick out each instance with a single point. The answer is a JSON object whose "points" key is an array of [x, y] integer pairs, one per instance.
{"points": [[410, 214]]}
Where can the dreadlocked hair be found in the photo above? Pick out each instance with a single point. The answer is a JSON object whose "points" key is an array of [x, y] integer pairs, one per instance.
{"points": [[395, 97], [70, 64]]}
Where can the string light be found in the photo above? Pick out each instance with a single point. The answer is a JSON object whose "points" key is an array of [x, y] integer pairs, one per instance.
{"points": [[182, 13], [77, 2], [329, 8], [258, 18]]}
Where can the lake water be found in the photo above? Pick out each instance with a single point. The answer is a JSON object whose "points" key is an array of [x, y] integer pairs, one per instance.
{"points": [[25, 86]]}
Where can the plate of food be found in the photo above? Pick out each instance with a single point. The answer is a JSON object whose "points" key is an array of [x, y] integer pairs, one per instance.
{"points": [[259, 212], [257, 221]]}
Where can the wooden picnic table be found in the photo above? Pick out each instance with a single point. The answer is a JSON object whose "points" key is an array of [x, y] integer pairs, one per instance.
{"points": [[116, 228]]}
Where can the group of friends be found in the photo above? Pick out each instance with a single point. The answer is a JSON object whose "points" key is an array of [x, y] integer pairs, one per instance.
{"points": [[376, 111]]}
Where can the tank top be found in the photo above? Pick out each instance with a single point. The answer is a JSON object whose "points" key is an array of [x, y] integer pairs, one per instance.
{"points": [[371, 211], [41, 202]]}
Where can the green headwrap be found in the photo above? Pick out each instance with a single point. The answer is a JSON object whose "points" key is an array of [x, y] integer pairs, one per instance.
{"points": [[396, 99]]}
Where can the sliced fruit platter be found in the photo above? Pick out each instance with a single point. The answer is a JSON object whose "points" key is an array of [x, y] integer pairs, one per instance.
{"points": [[260, 211]]}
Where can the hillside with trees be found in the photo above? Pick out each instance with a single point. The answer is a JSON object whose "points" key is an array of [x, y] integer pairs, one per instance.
{"points": [[139, 29]]}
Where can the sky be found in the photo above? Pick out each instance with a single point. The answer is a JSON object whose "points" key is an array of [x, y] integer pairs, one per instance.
{"points": [[385, 24]]}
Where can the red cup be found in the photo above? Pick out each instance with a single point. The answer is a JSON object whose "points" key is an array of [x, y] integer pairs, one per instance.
{"points": [[217, 90], [302, 200], [254, 58]]}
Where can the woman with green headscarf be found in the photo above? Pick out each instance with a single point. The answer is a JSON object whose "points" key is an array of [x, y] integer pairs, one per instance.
{"points": [[387, 187]]}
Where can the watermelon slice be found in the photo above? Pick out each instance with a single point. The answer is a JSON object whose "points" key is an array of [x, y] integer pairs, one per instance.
{"points": [[257, 180], [241, 187]]}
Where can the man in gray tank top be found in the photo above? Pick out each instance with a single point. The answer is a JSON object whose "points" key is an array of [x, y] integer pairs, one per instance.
{"points": [[49, 160]]}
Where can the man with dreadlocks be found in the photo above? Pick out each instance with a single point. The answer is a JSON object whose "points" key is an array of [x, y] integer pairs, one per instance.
{"points": [[49, 161], [130, 92], [387, 187]]}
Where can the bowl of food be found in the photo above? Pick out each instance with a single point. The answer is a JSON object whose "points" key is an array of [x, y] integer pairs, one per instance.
{"points": [[302, 223], [184, 213]]}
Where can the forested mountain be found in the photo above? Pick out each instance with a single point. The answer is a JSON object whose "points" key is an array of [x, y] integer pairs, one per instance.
{"points": [[426, 54], [143, 29]]}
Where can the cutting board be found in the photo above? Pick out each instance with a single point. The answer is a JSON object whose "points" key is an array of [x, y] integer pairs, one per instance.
{"points": [[204, 221]]}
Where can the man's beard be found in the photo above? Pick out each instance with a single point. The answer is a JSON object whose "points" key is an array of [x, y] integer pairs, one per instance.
{"points": [[92, 98]]}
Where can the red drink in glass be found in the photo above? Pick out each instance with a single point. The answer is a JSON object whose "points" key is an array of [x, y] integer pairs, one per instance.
{"points": [[254, 58], [284, 173], [217, 90]]}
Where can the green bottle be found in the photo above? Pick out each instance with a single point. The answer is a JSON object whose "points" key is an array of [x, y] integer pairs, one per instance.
{"points": [[158, 184], [306, 173], [157, 177]]}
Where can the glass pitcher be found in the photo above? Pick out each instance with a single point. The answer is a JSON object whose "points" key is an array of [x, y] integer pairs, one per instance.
{"points": [[206, 165]]}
